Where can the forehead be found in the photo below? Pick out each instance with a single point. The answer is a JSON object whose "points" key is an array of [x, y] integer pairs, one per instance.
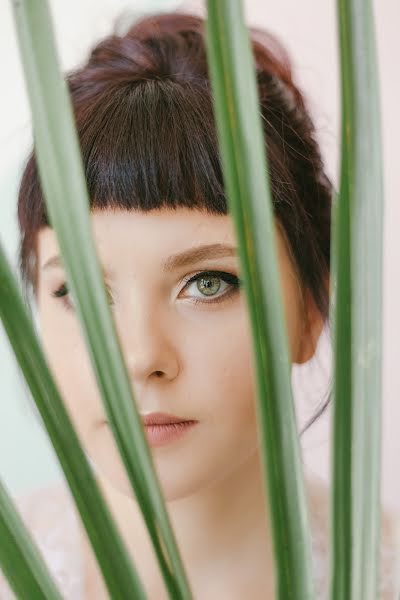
{"points": [[152, 235]]}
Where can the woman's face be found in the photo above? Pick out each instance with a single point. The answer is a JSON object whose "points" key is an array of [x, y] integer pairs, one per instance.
{"points": [[187, 346]]}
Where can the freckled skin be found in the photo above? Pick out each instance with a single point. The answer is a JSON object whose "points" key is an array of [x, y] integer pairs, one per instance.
{"points": [[191, 360]]}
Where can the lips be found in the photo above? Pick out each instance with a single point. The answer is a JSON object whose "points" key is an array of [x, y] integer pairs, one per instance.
{"points": [[158, 418], [163, 428]]}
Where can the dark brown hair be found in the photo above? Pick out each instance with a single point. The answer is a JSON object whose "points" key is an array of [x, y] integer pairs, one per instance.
{"points": [[144, 116]]}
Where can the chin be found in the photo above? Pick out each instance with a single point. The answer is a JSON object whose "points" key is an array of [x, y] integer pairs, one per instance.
{"points": [[174, 485], [177, 473]]}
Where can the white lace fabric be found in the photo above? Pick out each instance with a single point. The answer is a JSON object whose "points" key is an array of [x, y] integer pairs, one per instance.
{"points": [[52, 519]]}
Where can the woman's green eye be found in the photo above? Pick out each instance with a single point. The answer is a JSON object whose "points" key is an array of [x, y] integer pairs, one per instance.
{"points": [[208, 283]]}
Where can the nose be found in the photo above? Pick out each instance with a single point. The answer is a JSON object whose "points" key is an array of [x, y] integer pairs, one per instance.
{"points": [[147, 343]]}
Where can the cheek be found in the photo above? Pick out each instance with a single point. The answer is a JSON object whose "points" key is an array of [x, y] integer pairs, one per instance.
{"points": [[217, 388], [70, 365], [221, 364]]}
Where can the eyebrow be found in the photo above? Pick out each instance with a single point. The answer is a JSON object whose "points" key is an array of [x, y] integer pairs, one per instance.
{"points": [[175, 261]]}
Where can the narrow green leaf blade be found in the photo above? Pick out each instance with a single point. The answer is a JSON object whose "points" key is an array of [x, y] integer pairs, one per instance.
{"points": [[357, 268], [64, 186], [244, 166], [119, 574]]}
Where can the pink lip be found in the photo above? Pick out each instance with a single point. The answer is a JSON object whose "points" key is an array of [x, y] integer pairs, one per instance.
{"points": [[159, 418], [162, 428]]}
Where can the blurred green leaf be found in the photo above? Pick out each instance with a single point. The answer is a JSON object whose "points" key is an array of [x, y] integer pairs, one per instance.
{"points": [[237, 112], [63, 182], [357, 312]]}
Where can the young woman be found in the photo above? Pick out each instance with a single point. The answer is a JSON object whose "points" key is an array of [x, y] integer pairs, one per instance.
{"points": [[167, 246]]}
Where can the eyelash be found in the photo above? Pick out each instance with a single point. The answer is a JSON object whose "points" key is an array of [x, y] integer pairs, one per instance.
{"points": [[62, 291]]}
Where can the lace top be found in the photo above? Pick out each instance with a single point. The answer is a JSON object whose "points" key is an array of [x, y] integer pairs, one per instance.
{"points": [[53, 521]]}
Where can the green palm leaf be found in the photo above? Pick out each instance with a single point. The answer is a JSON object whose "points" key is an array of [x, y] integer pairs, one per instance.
{"points": [[244, 160], [357, 306], [64, 186]]}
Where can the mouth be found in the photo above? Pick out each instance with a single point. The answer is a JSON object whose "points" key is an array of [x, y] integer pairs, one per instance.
{"points": [[163, 428]]}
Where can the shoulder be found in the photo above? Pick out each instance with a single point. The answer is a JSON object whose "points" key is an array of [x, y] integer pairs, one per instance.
{"points": [[49, 514], [319, 505]]}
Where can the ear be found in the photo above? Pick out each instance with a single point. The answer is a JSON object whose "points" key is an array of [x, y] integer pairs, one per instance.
{"points": [[313, 323]]}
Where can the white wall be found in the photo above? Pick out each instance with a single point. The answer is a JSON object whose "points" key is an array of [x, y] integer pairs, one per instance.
{"points": [[308, 29]]}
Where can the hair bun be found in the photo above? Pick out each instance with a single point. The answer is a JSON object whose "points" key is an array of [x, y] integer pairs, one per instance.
{"points": [[157, 46]]}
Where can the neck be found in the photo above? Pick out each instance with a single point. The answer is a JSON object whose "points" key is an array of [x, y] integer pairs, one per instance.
{"points": [[224, 517]]}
